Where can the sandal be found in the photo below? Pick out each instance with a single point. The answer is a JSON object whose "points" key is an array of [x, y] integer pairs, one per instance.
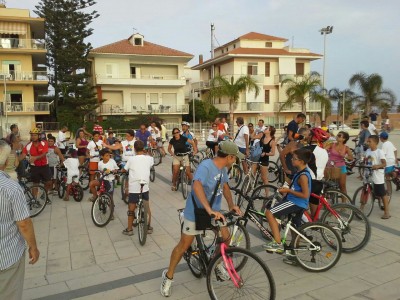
{"points": [[149, 229], [127, 232], [66, 199], [385, 217], [173, 188], [92, 199]]}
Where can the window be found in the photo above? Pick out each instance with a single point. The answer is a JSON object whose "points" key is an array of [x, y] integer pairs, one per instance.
{"points": [[111, 70], [299, 68], [252, 69], [266, 96], [138, 42], [153, 98], [268, 44], [234, 46], [133, 72], [267, 69]]}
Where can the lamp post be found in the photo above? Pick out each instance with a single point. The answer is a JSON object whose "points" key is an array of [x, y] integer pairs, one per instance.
{"points": [[324, 31], [5, 104], [344, 97]]}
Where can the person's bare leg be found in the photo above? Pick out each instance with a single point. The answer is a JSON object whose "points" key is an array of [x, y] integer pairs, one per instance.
{"points": [[177, 253], [175, 172], [386, 214], [131, 207], [342, 184], [274, 226]]}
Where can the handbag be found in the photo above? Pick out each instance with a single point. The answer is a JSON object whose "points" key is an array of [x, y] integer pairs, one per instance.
{"points": [[201, 216], [255, 152]]}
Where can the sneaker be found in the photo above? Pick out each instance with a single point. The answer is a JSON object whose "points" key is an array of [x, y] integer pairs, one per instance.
{"points": [[166, 283], [48, 201], [92, 199], [222, 273], [274, 247], [290, 260], [127, 232], [149, 229]]}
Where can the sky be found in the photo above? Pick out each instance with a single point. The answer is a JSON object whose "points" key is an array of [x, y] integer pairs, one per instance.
{"points": [[365, 34]]}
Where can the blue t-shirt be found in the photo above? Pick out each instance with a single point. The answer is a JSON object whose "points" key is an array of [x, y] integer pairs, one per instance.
{"points": [[143, 136], [189, 137], [208, 174], [301, 202]]}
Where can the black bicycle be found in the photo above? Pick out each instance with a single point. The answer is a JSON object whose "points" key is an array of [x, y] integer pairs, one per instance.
{"points": [[36, 197]]}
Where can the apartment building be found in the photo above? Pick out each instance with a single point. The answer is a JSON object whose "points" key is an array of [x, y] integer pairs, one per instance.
{"points": [[135, 77], [23, 74], [269, 61]]}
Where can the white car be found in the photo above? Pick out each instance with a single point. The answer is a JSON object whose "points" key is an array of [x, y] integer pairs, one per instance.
{"points": [[333, 126]]}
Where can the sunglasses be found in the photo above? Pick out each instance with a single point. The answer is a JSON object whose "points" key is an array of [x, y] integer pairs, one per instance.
{"points": [[176, 132], [339, 136], [295, 158], [250, 126]]}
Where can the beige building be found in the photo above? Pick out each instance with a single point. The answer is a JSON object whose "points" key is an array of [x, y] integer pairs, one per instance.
{"points": [[269, 61], [135, 77], [23, 74]]}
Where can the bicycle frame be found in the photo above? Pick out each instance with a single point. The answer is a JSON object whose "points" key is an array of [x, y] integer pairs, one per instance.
{"points": [[322, 203]]}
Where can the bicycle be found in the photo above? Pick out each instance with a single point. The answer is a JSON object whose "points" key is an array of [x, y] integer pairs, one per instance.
{"points": [[183, 179], [155, 153], [141, 216], [364, 196], [315, 246], [76, 190], [235, 174], [36, 197], [103, 207], [231, 272]]}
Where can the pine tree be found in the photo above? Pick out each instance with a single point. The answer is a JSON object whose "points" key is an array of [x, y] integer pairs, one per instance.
{"points": [[67, 27]]}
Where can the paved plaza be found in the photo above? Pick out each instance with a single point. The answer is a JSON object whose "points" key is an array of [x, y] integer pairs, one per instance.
{"points": [[81, 261]]}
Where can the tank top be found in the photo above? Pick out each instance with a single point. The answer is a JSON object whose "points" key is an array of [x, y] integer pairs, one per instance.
{"points": [[52, 157], [265, 148], [301, 202], [82, 151], [336, 157]]}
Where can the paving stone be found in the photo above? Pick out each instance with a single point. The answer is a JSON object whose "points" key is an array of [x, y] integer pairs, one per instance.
{"points": [[138, 259], [383, 259], [115, 294], [105, 258], [79, 243], [339, 273], [301, 286], [59, 265], [82, 259], [35, 281], [44, 291], [382, 275], [179, 291], [58, 250], [98, 278], [74, 274], [389, 290]]}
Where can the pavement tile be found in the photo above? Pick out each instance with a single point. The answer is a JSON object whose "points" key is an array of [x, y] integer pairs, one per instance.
{"points": [[299, 297], [389, 290], [34, 271], [35, 281], [82, 259], [44, 291], [383, 259], [105, 258], [115, 294], [58, 250], [74, 274], [132, 261], [79, 243], [58, 265], [339, 273], [178, 292], [301, 286], [382, 275]]}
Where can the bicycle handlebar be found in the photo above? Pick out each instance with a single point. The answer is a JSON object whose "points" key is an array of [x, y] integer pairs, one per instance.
{"points": [[227, 215], [367, 167]]}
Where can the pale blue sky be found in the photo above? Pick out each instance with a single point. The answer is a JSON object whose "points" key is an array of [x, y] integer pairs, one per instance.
{"points": [[365, 37]]}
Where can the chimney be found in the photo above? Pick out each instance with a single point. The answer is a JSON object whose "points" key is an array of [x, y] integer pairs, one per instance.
{"points": [[200, 59]]}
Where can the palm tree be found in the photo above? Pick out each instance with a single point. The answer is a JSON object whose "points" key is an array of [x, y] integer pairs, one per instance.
{"points": [[298, 91], [336, 95], [222, 87], [372, 92]]}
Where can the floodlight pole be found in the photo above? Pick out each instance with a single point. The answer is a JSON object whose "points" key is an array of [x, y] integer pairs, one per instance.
{"points": [[324, 31]]}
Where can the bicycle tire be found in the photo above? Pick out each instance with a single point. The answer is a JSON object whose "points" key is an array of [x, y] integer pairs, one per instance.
{"points": [[353, 226], [142, 223], [273, 172], [102, 210], [256, 280], [77, 193], [156, 156], [152, 174], [318, 233], [192, 258], [184, 184], [36, 204], [124, 191], [368, 197], [335, 196], [61, 190], [245, 190], [235, 176], [84, 179], [194, 163]]}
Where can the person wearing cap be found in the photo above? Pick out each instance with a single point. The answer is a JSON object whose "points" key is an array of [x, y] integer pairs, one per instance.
{"points": [[187, 133], [390, 152], [209, 174]]}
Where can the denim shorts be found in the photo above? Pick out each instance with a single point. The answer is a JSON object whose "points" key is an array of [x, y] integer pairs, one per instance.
{"points": [[343, 169]]}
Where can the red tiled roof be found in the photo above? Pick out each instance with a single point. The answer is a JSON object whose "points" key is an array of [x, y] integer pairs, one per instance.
{"points": [[125, 47], [260, 36]]}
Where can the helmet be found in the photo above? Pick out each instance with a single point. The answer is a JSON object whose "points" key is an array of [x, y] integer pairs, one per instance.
{"points": [[319, 135], [185, 123], [35, 131]]}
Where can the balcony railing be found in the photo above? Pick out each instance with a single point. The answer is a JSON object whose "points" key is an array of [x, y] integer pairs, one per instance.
{"points": [[12, 43], [296, 107], [25, 76], [28, 107], [111, 109], [250, 106], [205, 84], [279, 78], [134, 79], [157, 77]]}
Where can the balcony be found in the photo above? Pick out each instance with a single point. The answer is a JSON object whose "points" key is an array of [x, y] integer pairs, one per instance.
{"points": [[296, 107], [204, 85], [21, 44], [279, 78], [242, 107], [146, 80], [23, 77], [29, 108], [111, 109]]}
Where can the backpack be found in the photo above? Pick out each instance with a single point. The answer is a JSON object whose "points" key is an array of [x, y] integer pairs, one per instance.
{"points": [[256, 150]]}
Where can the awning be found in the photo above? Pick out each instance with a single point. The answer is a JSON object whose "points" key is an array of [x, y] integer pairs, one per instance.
{"points": [[12, 28]]}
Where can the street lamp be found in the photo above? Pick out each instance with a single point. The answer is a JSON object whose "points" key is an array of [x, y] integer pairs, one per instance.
{"points": [[324, 31]]}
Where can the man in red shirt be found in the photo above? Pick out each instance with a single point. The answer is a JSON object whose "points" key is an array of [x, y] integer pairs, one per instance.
{"points": [[37, 150]]}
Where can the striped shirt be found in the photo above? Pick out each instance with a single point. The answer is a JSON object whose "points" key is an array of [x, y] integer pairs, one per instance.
{"points": [[13, 208]]}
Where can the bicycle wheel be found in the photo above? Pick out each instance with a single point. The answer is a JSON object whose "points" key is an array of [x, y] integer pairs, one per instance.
{"points": [[194, 163], [124, 187], [246, 187], [184, 184], [36, 197], [77, 193], [156, 156], [363, 199], [235, 176], [152, 174], [334, 196], [102, 210], [255, 280], [273, 171], [142, 223], [192, 258], [325, 238], [353, 226], [84, 179], [61, 189]]}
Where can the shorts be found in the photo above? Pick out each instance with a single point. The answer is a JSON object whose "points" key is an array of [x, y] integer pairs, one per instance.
{"points": [[343, 169], [53, 172], [316, 188], [189, 227], [286, 208], [70, 177], [93, 166], [109, 185], [134, 197], [63, 151], [242, 150], [211, 144], [41, 173], [379, 190], [178, 159], [389, 170]]}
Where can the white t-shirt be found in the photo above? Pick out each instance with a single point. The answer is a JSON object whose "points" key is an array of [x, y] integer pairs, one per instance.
{"points": [[128, 149], [155, 132], [139, 169], [259, 129], [211, 137], [94, 150], [321, 159], [226, 127], [372, 129], [388, 149], [111, 165], [240, 140], [60, 139], [72, 165], [374, 158]]}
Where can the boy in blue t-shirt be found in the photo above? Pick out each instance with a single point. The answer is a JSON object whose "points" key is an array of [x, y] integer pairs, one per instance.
{"points": [[296, 199]]}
